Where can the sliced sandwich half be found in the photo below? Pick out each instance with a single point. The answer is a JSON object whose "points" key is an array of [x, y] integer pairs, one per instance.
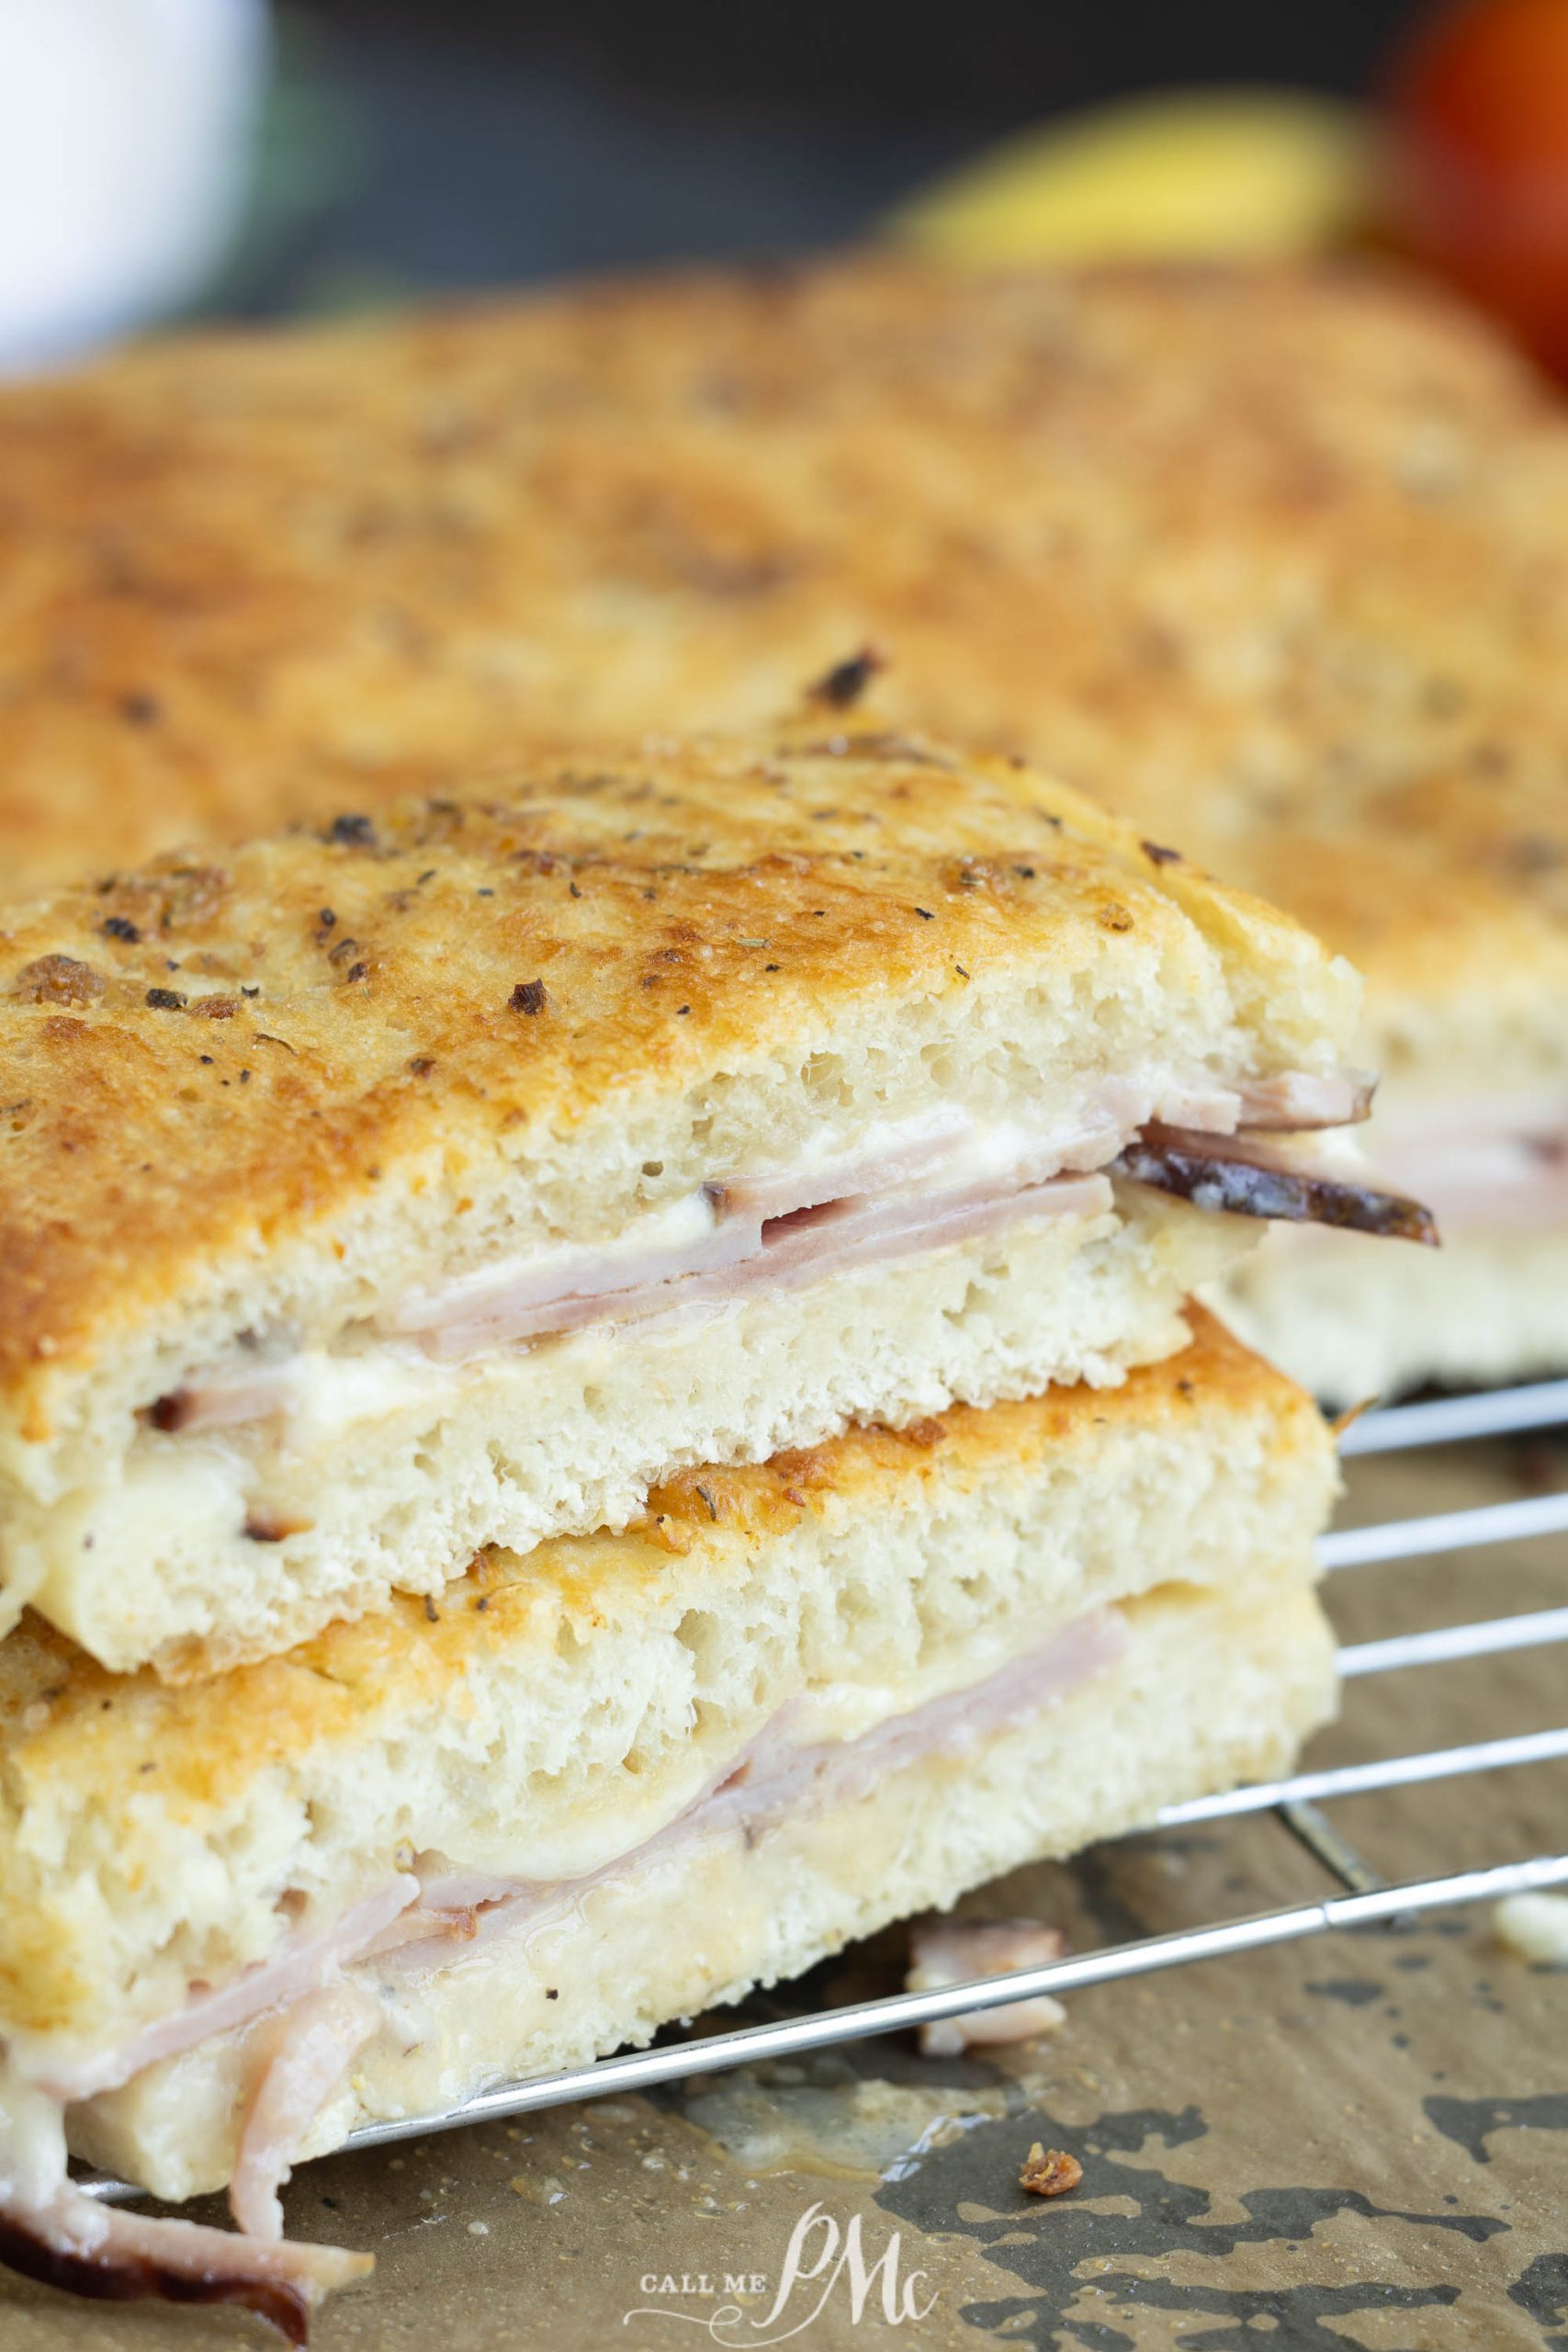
{"points": [[597, 1786], [413, 1184]]}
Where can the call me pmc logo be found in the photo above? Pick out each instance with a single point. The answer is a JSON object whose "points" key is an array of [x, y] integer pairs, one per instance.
{"points": [[822, 2262]]}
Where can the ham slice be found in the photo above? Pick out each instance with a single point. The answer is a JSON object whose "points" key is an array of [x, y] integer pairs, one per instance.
{"points": [[224, 1399], [570, 1287], [955, 1952], [899, 1155], [778, 1773], [304, 1963], [1484, 1161], [802, 1246], [409, 1925], [1299, 1099], [51, 2230]]}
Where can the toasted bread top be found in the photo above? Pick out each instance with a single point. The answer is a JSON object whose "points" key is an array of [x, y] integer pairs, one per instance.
{"points": [[1271, 559]]}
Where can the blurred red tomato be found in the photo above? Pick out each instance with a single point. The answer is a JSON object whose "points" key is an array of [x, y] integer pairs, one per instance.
{"points": [[1479, 159]]}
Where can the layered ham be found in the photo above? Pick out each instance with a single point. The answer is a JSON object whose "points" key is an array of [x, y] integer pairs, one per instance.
{"points": [[328, 1990], [910, 1186]]}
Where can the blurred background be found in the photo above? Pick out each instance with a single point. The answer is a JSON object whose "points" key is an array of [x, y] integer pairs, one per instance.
{"points": [[164, 158], [500, 139]]}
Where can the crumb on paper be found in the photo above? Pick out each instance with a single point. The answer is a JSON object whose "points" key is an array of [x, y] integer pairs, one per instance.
{"points": [[952, 1951], [1533, 1927], [1049, 2171]]}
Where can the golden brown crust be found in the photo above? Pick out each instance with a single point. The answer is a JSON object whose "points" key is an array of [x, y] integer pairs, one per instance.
{"points": [[64, 1721], [1273, 561], [244, 1048]]}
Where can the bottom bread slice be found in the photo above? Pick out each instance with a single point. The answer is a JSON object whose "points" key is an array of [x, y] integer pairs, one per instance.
{"points": [[1210, 1688]]}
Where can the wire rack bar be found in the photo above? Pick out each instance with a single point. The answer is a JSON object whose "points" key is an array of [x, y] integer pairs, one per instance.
{"points": [[1533, 1629], [1498, 1412], [1381, 1772], [1448, 1531]]}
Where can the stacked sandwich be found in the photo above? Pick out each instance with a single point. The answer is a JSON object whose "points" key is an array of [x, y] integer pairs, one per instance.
{"points": [[596, 1399]]}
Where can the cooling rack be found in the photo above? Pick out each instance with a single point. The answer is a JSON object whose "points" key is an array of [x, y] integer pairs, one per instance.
{"points": [[1296, 1801]]}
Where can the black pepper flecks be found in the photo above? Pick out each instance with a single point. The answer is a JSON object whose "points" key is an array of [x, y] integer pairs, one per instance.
{"points": [[529, 996], [1158, 855], [845, 683], [166, 1000], [120, 927], [352, 831]]}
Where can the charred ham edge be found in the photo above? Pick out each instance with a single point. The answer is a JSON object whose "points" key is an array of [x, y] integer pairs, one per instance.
{"points": [[51, 2230], [181, 2262], [1248, 1178]]}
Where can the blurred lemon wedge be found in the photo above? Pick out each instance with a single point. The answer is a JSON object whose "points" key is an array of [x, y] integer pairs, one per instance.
{"points": [[1243, 175]]}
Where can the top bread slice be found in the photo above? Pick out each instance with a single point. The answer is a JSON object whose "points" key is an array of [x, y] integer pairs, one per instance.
{"points": [[1271, 559], [265, 1102]]}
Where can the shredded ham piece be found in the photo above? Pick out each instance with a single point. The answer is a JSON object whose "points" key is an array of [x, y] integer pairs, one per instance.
{"points": [[51, 2230], [311, 2048], [955, 1952]]}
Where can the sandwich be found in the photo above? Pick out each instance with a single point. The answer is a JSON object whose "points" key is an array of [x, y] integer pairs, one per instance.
{"points": [[599, 1784], [418, 1182], [1271, 560]]}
